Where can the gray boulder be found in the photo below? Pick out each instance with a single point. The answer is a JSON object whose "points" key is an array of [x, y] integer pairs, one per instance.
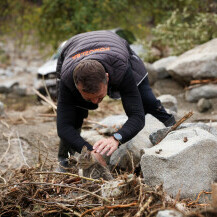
{"points": [[113, 121], [204, 105], [156, 136], [6, 86], [199, 62], [130, 151], [185, 160], [160, 66], [169, 102], [206, 91]]}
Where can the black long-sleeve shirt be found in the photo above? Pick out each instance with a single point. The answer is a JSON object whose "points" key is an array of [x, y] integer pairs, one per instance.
{"points": [[69, 116]]}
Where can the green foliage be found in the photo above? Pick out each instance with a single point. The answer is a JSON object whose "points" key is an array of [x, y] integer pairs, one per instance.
{"points": [[61, 19], [184, 30], [17, 20], [53, 21]]}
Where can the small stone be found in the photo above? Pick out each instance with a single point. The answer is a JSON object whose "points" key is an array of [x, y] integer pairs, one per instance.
{"points": [[169, 213], [204, 105], [185, 139]]}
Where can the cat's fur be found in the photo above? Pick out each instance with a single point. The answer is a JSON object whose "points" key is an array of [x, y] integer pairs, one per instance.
{"points": [[91, 167]]}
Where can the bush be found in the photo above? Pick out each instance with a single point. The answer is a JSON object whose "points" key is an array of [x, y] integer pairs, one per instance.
{"points": [[183, 31]]}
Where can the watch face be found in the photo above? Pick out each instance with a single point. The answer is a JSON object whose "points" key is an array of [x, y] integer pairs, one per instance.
{"points": [[118, 136]]}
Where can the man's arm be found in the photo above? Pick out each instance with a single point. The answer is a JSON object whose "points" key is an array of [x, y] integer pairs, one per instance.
{"points": [[70, 119], [132, 103], [133, 107]]}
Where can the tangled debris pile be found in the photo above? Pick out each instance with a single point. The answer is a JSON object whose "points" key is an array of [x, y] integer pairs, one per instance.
{"points": [[32, 192]]}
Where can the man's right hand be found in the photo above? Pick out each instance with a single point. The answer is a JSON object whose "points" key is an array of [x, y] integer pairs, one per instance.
{"points": [[99, 158]]}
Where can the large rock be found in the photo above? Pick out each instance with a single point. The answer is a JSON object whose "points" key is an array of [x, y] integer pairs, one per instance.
{"points": [[158, 135], [129, 151], [206, 91], [199, 62], [185, 160], [160, 66]]}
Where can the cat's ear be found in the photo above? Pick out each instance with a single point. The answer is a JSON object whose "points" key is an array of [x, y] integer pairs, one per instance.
{"points": [[88, 155], [84, 150]]}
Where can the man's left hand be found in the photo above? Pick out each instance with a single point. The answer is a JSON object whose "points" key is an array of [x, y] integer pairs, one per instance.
{"points": [[106, 145]]}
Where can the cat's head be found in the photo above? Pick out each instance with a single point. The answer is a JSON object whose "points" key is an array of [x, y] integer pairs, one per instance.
{"points": [[85, 159]]}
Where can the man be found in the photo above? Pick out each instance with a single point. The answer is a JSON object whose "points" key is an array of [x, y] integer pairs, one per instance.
{"points": [[91, 66]]}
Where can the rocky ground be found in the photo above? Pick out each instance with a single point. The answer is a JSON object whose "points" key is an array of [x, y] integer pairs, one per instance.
{"points": [[28, 127]]}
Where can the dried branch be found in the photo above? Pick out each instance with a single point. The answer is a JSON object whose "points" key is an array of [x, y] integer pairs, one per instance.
{"points": [[71, 174], [146, 205], [9, 145], [109, 207], [45, 99], [21, 150], [64, 186], [174, 127]]}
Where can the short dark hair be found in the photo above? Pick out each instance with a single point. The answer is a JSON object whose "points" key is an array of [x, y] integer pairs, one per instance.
{"points": [[89, 73]]}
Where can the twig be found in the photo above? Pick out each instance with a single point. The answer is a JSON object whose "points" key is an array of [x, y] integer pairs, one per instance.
{"points": [[3, 180], [5, 124], [198, 197], [109, 207], [179, 206], [64, 186], [21, 150], [63, 206], [139, 213], [47, 92], [9, 145], [184, 118], [204, 81], [23, 119], [71, 174], [45, 99]]}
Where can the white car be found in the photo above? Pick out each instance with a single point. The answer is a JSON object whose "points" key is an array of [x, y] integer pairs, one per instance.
{"points": [[46, 74]]}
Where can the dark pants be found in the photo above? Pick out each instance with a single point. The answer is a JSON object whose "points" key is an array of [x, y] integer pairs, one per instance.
{"points": [[152, 105]]}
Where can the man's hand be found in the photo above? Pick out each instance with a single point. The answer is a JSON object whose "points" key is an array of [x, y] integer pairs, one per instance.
{"points": [[99, 158], [106, 145]]}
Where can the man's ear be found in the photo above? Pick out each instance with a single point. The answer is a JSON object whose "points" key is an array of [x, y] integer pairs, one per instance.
{"points": [[107, 75]]}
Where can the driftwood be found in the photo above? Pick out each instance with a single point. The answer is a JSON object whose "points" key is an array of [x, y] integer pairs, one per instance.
{"points": [[174, 127], [204, 81]]}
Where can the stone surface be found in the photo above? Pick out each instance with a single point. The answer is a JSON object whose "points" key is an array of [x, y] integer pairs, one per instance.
{"points": [[156, 136], [204, 105], [91, 136], [169, 213], [199, 62], [206, 91], [152, 73], [131, 150], [114, 121], [6, 86], [185, 160], [169, 102], [160, 66]]}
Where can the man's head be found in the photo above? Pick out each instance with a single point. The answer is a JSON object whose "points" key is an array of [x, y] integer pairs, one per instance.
{"points": [[91, 80]]}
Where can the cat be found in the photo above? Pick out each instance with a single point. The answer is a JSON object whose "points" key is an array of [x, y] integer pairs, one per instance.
{"points": [[91, 167]]}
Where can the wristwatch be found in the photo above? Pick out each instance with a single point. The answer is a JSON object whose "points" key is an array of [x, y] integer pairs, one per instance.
{"points": [[118, 137]]}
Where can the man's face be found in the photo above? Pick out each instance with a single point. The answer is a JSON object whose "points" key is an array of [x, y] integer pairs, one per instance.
{"points": [[94, 97]]}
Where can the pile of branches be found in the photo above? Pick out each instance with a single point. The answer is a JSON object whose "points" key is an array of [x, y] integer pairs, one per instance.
{"points": [[31, 192]]}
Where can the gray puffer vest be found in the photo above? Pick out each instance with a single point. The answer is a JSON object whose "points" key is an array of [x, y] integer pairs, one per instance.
{"points": [[106, 47]]}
